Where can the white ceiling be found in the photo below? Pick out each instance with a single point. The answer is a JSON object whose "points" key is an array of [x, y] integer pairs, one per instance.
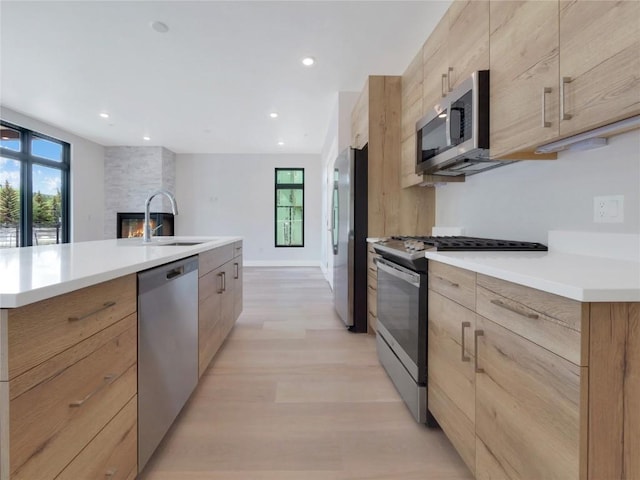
{"points": [[209, 84]]}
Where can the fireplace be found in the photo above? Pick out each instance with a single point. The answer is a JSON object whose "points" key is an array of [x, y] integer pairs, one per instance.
{"points": [[130, 225]]}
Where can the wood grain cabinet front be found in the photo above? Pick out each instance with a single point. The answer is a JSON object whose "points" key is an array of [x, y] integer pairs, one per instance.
{"points": [[112, 454], [543, 383], [59, 406], [559, 69], [372, 290], [38, 331], [219, 300]]}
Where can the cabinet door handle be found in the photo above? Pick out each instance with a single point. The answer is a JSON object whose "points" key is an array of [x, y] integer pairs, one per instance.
{"points": [[563, 114], [111, 472], [500, 304], [465, 358], [104, 306], [224, 281], [105, 381], [476, 335], [237, 274], [449, 72], [545, 90], [448, 282], [443, 85], [221, 277]]}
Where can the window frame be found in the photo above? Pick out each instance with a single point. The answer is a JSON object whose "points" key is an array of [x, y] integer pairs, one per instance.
{"points": [[27, 161], [287, 186]]}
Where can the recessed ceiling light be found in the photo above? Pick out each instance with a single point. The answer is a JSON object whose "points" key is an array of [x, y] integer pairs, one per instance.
{"points": [[104, 115], [308, 61], [273, 115], [160, 27], [281, 143], [146, 138]]}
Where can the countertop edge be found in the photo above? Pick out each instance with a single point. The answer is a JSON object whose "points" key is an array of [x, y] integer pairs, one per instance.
{"points": [[563, 289], [173, 253]]}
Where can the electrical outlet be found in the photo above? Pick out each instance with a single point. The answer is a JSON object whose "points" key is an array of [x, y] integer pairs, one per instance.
{"points": [[608, 209]]}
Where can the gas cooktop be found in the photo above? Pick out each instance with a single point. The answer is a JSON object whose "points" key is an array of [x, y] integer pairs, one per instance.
{"points": [[409, 251]]}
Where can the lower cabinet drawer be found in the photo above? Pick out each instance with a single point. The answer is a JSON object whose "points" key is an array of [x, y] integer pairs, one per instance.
{"points": [[55, 419], [113, 453]]}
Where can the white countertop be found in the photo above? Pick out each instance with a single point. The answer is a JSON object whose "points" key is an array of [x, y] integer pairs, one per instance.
{"points": [[31, 274], [581, 277]]}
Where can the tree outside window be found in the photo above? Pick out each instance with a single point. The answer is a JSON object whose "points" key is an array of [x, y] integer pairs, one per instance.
{"points": [[289, 207], [34, 179]]}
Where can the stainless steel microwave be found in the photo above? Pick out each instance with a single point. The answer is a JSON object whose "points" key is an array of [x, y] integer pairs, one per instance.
{"points": [[453, 138]]}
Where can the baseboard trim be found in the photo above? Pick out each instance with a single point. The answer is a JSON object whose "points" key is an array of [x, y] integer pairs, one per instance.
{"points": [[281, 263]]}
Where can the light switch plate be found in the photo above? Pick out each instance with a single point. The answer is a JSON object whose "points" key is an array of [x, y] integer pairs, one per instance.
{"points": [[608, 209]]}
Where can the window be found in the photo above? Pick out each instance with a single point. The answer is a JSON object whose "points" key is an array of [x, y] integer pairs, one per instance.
{"points": [[289, 207], [34, 188]]}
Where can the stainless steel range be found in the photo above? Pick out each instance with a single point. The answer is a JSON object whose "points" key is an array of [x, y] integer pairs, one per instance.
{"points": [[402, 308]]}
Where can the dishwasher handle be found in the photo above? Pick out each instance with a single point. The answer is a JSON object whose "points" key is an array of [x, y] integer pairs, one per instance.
{"points": [[159, 276], [176, 272]]}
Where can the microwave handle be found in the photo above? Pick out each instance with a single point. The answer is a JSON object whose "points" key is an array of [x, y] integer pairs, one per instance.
{"points": [[448, 124]]}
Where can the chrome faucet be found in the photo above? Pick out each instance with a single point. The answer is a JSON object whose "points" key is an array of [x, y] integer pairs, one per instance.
{"points": [[146, 237]]}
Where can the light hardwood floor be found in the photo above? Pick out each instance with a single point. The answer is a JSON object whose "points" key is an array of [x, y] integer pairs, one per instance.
{"points": [[293, 396]]}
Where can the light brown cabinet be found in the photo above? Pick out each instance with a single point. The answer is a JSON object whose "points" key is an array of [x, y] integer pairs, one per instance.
{"points": [[549, 82], [458, 46], [527, 384], [372, 289], [599, 63], [524, 70], [219, 299], [68, 370]]}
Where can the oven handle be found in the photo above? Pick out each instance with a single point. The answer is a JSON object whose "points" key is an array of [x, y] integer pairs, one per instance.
{"points": [[399, 272]]}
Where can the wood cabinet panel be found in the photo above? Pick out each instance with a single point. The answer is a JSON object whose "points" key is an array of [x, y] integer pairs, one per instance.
{"points": [[112, 454], [549, 320], [599, 45], [614, 395], [532, 398], [53, 421], [384, 196], [38, 331], [524, 61], [411, 96], [451, 380], [468, 39], [360, 119], [455, 283], [212, 259], [435, 64], [237, 287], [209, 317]]}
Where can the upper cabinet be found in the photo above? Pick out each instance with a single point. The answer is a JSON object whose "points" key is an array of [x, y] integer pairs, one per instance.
{"points": [[524, 75], [458, 46], [560, 68], [467, 41], [599, 63], [360, 119]]}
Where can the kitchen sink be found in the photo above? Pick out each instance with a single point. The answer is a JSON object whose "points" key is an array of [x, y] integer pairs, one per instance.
{"points": [[178, 244]]}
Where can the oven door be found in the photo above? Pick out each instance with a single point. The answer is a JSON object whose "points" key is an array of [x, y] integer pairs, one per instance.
{"points": [[401, 308]]}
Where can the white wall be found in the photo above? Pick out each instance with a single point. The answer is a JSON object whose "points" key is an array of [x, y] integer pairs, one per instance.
{"points": [[87, 176], [523, 201], [225, 194], [337, 139]]}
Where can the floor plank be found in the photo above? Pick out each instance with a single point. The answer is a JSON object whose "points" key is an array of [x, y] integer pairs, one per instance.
{"points": [[292, 395]]}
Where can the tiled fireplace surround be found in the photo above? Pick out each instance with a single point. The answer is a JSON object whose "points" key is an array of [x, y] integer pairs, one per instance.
{"points": [[131, 174]]}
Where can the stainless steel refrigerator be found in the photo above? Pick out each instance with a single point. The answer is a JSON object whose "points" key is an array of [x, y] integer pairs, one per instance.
{"points": [[349, 233]]}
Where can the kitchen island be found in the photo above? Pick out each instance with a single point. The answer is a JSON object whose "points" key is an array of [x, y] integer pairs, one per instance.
{"points": [[69, 348], [534, 359]]}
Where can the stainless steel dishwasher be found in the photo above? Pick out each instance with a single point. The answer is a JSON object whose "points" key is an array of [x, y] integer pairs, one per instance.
{"points": [[167, 348]]}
